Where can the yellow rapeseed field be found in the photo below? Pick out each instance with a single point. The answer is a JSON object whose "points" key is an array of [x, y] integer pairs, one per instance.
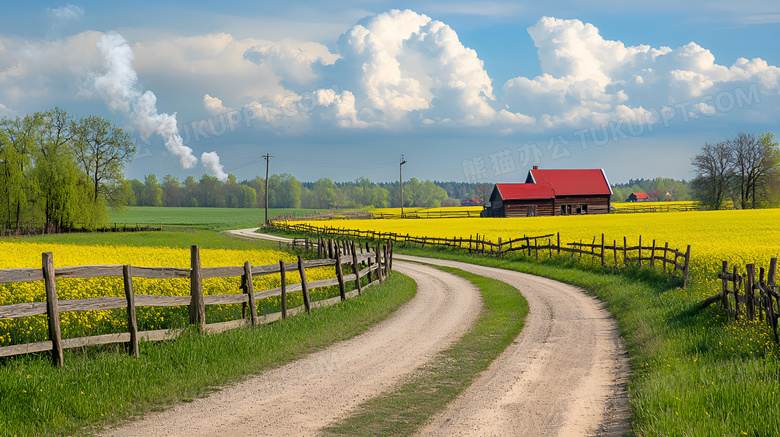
{"points": [[743, 236], [737, 236], [15, 254]]}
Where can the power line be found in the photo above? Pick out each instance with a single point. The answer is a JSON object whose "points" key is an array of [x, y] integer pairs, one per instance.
{"points": [[338, 165]]}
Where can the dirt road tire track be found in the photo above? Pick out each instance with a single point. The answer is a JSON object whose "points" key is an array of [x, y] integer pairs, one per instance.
{"points": [[565, 374], [302, 397]]}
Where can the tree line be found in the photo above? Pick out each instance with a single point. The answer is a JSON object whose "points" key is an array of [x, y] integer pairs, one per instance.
{"points": [[744, 169], [658, 189], [60, 170], [285, 191]]}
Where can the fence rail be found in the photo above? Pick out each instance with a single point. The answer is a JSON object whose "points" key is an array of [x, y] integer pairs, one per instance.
{"points": [[375, 265], [610, 256], [758, 294]]}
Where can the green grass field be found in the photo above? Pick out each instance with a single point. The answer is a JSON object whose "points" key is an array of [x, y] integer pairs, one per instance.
{"points": [[212, 218], [102, 385]]}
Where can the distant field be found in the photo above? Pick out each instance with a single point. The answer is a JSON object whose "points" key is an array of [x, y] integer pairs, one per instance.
{"points": [[201, 217]]}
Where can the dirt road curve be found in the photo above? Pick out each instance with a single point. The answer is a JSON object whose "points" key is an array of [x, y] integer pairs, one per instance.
{"points": [[302, 397], [564, 375]]}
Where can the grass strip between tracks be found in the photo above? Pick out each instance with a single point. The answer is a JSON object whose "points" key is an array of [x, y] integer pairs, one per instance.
{"points": [[102, 386], [431, 387]]}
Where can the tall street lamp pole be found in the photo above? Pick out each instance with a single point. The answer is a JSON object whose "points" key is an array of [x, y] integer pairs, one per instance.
{"points": [[401, 177]]}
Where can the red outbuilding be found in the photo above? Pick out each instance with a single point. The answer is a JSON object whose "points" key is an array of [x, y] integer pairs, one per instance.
{"points": [[552, 192]]}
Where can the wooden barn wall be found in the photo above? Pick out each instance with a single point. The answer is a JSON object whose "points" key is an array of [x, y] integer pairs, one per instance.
{"points": [[519, 208], [596, 204]]}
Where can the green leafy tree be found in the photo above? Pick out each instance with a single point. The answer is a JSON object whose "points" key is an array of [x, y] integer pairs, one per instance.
{"points": [[152, 191], [102, 150]]}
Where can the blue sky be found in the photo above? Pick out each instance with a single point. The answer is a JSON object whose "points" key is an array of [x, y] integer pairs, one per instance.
{"points": [[467, 91]]}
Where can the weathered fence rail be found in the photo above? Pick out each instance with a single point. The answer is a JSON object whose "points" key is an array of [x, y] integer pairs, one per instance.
{"points": [[760, 296], [376, 265], [673, 261]]}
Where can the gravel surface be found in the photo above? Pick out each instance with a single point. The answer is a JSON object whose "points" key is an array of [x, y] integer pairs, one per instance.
{"points": [[565, 374], [306, 395]]}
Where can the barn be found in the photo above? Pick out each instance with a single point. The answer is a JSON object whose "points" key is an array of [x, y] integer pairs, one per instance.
{"points": [[638, 197], [552, 192]]}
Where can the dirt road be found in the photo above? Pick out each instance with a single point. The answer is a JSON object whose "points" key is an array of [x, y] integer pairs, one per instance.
{"points": [[302, 397], [564, 375]]}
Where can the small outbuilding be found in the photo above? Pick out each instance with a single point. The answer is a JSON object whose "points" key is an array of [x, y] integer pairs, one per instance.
{"points": [[638, 197], [470, 202], [552, 192]]}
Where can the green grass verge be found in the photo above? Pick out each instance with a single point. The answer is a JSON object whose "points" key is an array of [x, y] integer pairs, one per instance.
{"points": [[102, 386], [179, 238], [694, 373], [429, 389], [211, 218]]}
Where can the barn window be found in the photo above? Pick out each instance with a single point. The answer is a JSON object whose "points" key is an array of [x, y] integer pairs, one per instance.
{"points": [[584, 209], [532, 211]]}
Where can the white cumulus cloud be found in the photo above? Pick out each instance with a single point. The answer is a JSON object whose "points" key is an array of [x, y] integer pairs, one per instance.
{"points": [[401, 64], [210, 161], [119, 88], [586, 78]]}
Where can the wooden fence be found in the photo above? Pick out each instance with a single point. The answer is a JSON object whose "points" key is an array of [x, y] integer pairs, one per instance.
{"points": [[657, 207], [375, 264], [610, 256], [758, 294]]}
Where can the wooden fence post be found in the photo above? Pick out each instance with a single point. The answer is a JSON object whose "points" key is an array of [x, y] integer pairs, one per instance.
{"points": [[736, 288], [603, 264], [687, 266], [284, 289], [132, 324], [614, 252], [304, 285], [356, 269], [368, 261], [52, 309], [340, 276], [652, 255], [559, 243], [725, 295], [500, 248], [250, 290], [666, 251], [625, 252], [197, 305], [640, 252], [390, 261], [378, 254], [387, 259], [749, 295]]}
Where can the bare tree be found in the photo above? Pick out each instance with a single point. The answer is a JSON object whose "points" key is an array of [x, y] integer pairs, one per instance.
{"points": [[755, 158], [483, 191], [714, 173]]}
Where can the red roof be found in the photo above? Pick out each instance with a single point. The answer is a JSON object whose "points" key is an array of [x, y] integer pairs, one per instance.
{"points": [[572, 182], [640, 195], [525, 191]]}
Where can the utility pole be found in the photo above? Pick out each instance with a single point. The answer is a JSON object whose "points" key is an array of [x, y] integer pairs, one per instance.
{"points": [[401, 177], [267, 158]]}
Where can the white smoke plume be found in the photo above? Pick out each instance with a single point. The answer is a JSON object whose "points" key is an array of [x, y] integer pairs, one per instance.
{"points": [[210, 160], [119, 88]]}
